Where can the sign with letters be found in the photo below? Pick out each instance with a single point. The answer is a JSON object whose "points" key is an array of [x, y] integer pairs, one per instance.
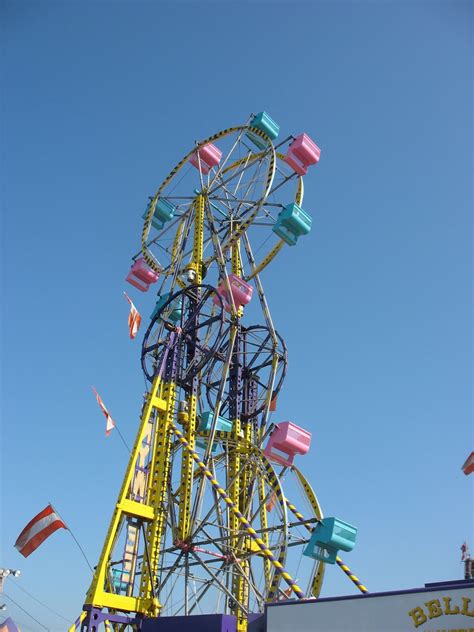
{"points": [[448, 608]]}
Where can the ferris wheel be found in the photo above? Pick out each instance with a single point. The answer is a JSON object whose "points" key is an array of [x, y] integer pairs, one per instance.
{"points": [[213, 515]]}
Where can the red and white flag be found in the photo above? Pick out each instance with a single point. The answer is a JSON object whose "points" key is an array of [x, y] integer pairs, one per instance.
{"points": [[37, 530], [286, 594], [134, 318], [464, 551], [110, 425], [468, 466], [271, 502]]}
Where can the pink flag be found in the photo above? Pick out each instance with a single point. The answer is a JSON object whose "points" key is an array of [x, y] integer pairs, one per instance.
{"points": [[110, 425], [134, 318], [37, 530]]}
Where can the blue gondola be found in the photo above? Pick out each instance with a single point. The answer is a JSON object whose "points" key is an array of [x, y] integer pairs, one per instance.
{"points": [[164, 212], [330, 536], [223, 424], [266, 124], [117, 582], [292, 222], [173, 311]]}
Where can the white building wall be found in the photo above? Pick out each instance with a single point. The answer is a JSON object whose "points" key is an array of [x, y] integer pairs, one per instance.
{"points": [[441, 609]]}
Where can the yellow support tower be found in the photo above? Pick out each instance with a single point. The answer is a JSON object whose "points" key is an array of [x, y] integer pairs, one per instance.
{"points": [[237, 489], [156, 497], [195, 269], [100, 593]]}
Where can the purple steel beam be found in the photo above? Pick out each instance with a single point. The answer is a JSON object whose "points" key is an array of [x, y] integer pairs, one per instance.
{"points": [[235, 378], [95, 617]]}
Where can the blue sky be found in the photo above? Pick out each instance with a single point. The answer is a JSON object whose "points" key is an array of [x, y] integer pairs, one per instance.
{"points": [[99, 101]]}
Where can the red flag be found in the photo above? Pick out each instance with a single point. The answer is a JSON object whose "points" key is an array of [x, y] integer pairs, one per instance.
{"points": [[273, 404], [37, 530], [134, 318], [468, 466], [286, 594], [271, 502], [110, 422]]}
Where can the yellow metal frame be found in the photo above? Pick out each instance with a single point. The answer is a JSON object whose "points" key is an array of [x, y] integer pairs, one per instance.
{"points": [[187, 475], [160, 403], [157, 489]]}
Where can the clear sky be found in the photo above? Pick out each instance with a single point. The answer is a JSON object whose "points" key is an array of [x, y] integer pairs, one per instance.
{"points": [[99, 101]]}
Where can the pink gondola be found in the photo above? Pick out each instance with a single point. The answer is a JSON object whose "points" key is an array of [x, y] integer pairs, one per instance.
{"points": [[286, 441], [241, 292], [302, 153], [141, 275], [209, 155]]}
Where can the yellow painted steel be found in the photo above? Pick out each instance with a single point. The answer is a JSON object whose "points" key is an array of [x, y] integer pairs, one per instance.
{"points": [[263, 264], [235, 257], [276, 580], [264, 524], [186, 487], [137, 490], [198, 245], [187, 474], [354, 579], [313, 501], [78, 622], [137, 510], [98, 595], [236, 546], [237, 269], [299, 192], [156, 497], [160, 402], [175, 251], [243, 498], [237, 491]]}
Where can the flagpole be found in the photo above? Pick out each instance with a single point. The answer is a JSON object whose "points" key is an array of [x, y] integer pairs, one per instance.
{"points": [[74, 538], [120, 435]]}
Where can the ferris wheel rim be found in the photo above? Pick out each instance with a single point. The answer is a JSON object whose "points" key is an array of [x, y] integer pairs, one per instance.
{"points": [[182, 332], [282, 361], [267, 472], [148, 255]]}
